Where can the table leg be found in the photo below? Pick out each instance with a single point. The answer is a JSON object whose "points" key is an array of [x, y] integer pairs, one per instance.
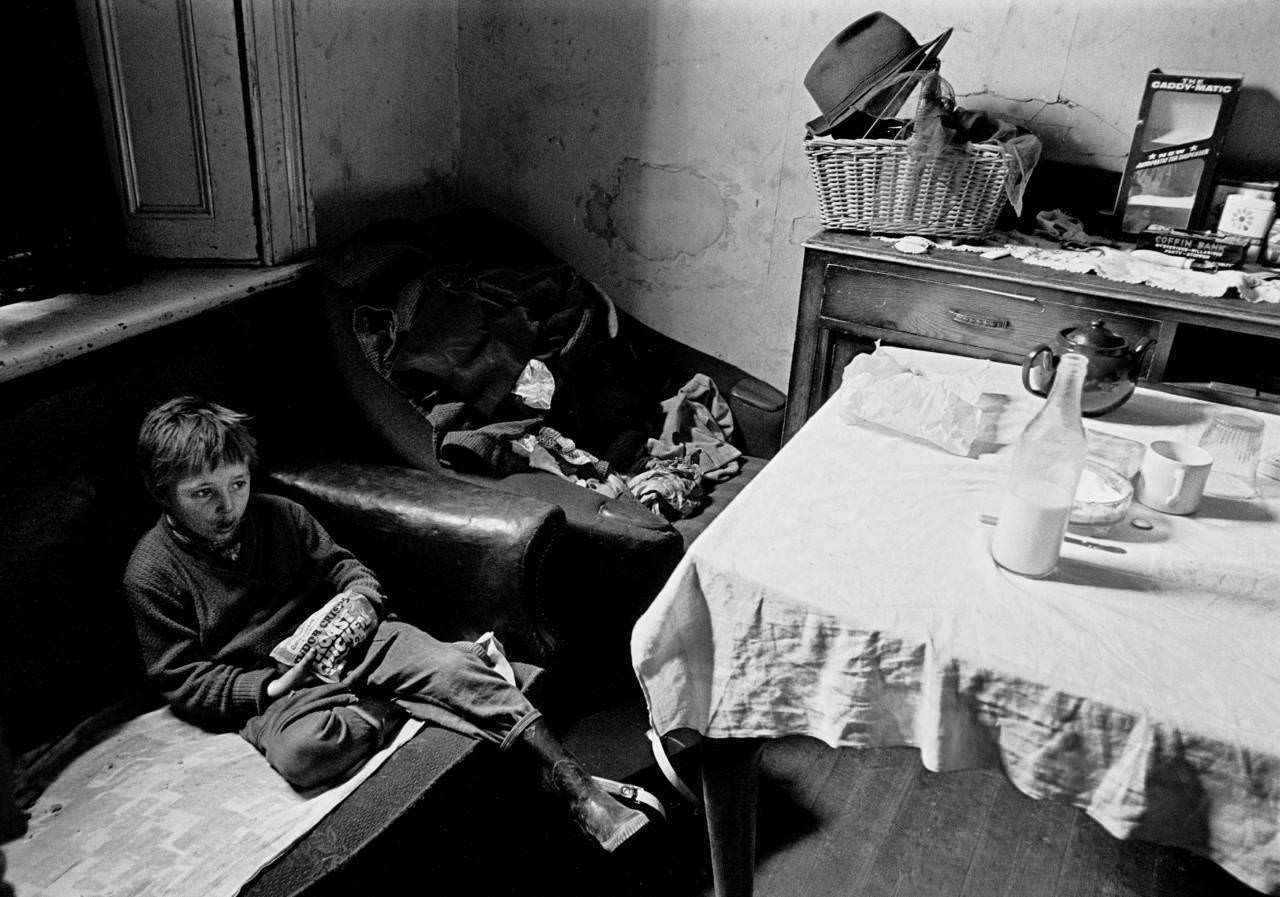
{"points": [[729, 788]]}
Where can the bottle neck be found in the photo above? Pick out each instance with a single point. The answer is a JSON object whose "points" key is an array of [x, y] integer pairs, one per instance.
{"points": [[1068, 384]]}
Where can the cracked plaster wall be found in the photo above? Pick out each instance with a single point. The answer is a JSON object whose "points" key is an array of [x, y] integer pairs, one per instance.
{"points": [[656, 144]]}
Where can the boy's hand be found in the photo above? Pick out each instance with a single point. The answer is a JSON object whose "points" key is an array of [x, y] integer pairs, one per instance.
{"points": [[292, 677]]}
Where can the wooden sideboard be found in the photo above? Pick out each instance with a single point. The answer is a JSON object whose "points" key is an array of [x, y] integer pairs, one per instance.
{"points": [[858, 290]]}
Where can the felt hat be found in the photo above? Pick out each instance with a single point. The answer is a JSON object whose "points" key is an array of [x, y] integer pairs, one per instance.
{"points": [[873, 52]]}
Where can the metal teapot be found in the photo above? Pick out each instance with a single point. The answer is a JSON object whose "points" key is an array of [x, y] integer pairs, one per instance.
{"points": [[1113, 366]]}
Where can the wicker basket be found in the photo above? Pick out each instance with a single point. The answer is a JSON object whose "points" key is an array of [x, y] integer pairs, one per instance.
{"points": [[883, 187]]}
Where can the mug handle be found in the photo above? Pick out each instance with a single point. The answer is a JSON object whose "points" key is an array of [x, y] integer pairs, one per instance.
{"points": [[1179, 477], [1030, 361]]}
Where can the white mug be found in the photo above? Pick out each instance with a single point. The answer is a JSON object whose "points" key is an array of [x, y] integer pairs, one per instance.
{"points": [[1172, 477]]}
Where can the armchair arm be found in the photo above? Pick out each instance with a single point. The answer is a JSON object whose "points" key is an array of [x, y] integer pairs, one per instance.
{"points": [[377, 404], [758, 410], [757, 407], [455, 558]]}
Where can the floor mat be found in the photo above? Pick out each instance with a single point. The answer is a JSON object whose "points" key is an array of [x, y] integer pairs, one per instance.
{"points": [[165, 809]]}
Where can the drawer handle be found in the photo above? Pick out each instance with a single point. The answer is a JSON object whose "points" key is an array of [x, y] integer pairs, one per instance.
{"points": [[962, 317]]}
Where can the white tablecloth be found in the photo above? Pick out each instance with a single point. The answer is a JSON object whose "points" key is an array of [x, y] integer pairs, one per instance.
{"points": [[848, 594]]}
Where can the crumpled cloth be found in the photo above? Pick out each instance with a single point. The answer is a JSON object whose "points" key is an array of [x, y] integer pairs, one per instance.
{"points": [[1067, 230], [444, 335], [549, 450], [458, 327], [1115, 264], [693, 445], [1120, 266], [669, 488], [1260, 289], [697, 425], [940, 124]]}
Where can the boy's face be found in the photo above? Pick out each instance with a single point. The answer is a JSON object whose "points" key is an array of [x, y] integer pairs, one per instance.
{"points": [[210, 504]]}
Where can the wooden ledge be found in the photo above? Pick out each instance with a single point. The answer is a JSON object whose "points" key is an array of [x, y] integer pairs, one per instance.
{"points": [[40, 334]]}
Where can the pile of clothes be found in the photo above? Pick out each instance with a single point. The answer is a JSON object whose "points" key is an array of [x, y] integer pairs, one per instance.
{"points": [[516, 364]]}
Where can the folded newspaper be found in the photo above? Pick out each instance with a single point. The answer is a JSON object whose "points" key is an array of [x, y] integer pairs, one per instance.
{"points": [[334, 630]]}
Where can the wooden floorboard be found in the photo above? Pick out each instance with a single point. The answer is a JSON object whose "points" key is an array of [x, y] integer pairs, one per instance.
{"points": [[877, 824], [848, 823]]}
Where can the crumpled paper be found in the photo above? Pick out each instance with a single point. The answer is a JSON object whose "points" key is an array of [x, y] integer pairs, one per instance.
{"points": [[496, 656], [536, 386], [941, 408]]}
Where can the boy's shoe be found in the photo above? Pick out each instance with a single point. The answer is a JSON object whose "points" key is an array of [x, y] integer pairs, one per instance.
{"points": [[596, 812]]}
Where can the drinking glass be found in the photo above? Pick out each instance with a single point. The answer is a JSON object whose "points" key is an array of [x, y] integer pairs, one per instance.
{"points": [[1234, 438]]}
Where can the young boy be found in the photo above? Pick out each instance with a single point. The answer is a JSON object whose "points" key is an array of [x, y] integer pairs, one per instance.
{"points": [[225, 575]]}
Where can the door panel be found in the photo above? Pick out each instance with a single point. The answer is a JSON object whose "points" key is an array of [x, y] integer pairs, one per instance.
{"points": [[170, 90]]}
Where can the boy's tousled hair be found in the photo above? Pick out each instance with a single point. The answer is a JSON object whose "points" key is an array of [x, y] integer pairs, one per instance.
{"points": [[187, 435]]}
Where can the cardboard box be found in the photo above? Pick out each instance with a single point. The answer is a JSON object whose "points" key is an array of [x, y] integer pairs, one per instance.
{"points": [[1227, 250], [1182, 122], [1233, 187]]}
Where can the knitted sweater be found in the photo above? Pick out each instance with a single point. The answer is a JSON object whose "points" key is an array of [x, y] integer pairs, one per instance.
{"points": [[206, 625]]}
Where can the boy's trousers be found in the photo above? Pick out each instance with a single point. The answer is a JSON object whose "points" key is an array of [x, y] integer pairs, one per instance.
{"points": [[322, 732]]}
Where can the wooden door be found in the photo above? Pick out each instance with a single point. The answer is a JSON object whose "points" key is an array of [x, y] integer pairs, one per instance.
{"points": [[171, 94]]}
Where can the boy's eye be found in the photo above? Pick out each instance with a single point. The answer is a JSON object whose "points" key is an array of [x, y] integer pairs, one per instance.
{"points": [[239, 484], [200, 493]]}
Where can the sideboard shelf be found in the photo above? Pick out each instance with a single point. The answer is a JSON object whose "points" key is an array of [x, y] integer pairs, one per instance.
{"points": [[857, 291]]}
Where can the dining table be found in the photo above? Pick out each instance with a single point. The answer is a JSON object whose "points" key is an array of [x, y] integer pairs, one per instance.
{"points": [[848, 594]]}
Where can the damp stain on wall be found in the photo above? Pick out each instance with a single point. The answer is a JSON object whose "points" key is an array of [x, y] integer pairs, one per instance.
{"points": [[659, 212]]}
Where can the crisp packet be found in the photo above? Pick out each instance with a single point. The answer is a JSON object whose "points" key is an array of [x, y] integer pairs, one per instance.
{"points": [[334, 630], [941, 408]]}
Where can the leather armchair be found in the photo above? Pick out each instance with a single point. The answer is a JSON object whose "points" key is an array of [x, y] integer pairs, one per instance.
{"points": [[615, 554], [456, 559], [460, 561]]}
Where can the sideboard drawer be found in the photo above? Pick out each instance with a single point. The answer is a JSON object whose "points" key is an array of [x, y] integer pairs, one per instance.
{"points": [[857, 291], [986, 318]]}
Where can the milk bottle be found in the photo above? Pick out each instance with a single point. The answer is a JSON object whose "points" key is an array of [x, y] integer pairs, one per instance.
{"points": [[1047, 462]]}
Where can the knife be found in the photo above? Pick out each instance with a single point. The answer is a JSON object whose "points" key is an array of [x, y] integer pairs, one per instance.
{"points": [[990, 520]]}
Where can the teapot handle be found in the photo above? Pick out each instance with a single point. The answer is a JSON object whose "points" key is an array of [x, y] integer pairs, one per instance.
{"points": [[1139, 351], [1030, 361]]}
